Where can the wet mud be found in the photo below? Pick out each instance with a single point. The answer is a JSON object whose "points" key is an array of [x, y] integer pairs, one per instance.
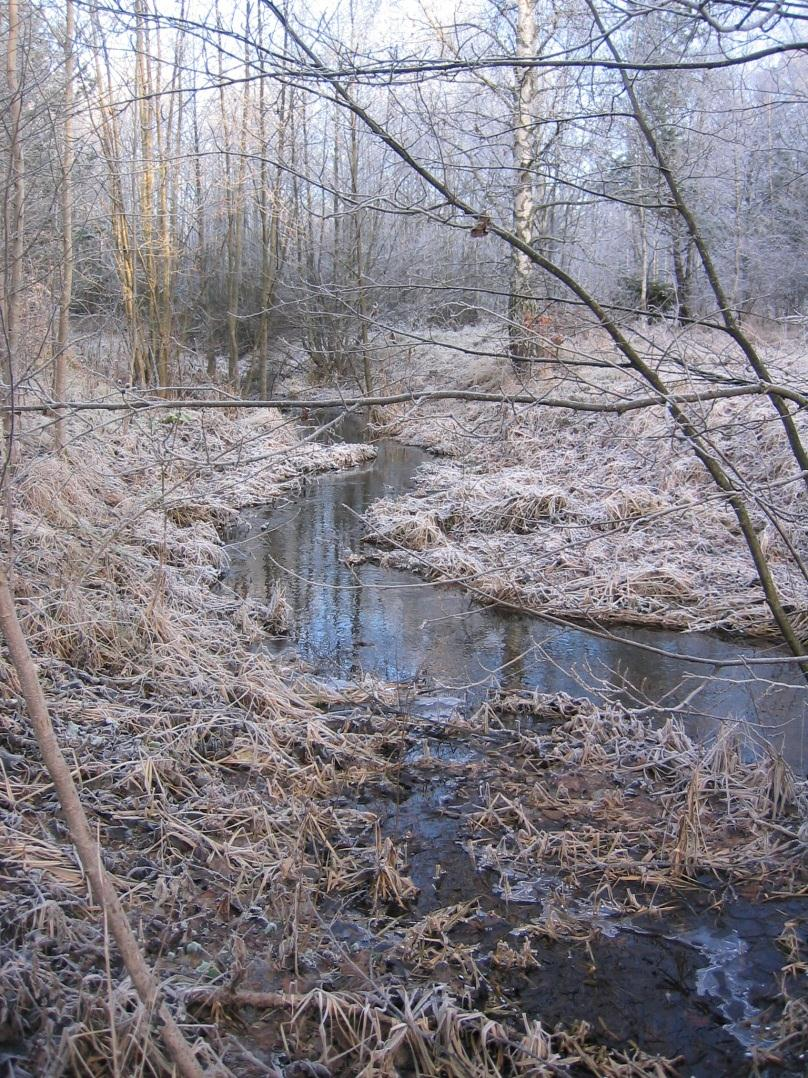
{"points": [[693, 977], [690, 987]]}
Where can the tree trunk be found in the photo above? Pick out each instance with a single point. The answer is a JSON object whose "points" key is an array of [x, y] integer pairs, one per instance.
{"points": [[122, 225], [359, 260], [269, 201], [14, 215], [520, 305], [234, 196], [679, 247], [66, 198], [146, 245], [202, 253]]}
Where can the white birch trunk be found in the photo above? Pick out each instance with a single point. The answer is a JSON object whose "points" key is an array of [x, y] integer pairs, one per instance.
{"points": [[524, 207]]}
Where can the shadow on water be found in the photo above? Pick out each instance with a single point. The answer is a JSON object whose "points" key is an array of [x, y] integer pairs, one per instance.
{"points": [[365, 617]]}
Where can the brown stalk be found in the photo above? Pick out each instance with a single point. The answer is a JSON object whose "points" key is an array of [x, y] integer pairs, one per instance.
{"points": [[87, 848]]}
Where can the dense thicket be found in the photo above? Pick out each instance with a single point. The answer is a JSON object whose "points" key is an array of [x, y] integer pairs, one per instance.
{"points": [[224, 195]]}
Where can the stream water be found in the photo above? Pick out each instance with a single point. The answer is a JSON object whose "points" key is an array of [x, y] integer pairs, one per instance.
{"points": [[350, 618]]}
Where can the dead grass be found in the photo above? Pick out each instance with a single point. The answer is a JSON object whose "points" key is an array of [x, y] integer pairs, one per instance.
{"points": [[206, 770], [429, 1032], [583, 515], [216, 781], [632, 806], [226, 789]]}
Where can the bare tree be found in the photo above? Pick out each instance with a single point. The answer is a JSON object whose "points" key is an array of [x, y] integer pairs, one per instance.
{"points": [[520, 307], [13, 203], [66, 292], [122, 225], [273, 239]]}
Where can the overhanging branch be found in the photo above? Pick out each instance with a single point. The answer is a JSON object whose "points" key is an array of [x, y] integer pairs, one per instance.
{"points": [[426, 396]]}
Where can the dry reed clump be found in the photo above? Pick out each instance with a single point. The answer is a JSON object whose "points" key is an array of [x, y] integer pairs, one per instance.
{"points": [[790, 1031], [467, 505], [630, 505], [405, 526], [512, 501], [633, 806], [428, 1031], [112, 1034], [399, 1027]]}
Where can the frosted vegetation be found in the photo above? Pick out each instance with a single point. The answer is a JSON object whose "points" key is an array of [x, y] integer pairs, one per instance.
{"points": [[581, 514], [561, 248]]}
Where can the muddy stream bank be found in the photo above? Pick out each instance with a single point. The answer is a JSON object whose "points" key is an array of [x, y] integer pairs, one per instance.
{"points": [[698, 980]]}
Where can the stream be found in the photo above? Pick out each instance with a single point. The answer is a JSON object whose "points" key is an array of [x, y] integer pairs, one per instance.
{"points": [[695, 984], [355, 618]]}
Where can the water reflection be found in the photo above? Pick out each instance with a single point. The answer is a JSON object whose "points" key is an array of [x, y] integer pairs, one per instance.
{"points": [[363, 617]]}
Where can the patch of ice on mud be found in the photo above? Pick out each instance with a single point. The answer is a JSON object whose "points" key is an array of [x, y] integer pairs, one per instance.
{"points": [[726, 978]]}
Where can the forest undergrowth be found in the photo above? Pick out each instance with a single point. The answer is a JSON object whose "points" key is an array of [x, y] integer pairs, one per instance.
{"points": [[326, 883]]}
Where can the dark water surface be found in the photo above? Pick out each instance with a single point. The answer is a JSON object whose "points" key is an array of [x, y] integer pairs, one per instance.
{"points": [[354, 618]]}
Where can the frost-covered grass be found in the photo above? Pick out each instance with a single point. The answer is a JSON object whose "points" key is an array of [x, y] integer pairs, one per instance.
{"points": [[243, 824], [596, 515]]}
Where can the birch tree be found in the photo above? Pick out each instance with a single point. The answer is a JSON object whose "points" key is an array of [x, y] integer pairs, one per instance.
{"points": [[524, 206]]}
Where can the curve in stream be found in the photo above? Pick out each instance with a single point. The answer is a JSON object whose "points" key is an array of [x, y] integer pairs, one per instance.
{"points": [[349, 618], [696, 984]]}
